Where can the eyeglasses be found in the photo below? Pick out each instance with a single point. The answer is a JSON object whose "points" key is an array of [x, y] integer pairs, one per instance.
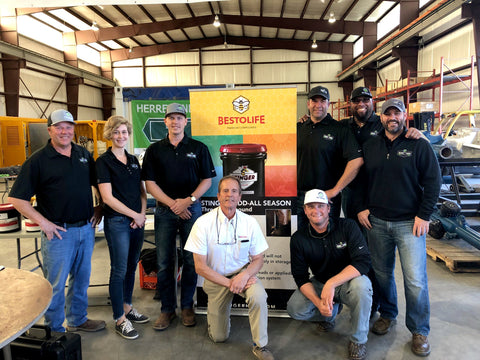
{"points": [[227, 239], [359, 100]]}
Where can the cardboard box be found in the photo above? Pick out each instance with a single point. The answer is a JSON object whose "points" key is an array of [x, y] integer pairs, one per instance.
{"points": [[409, 81], [422, 106], [392, 85]]}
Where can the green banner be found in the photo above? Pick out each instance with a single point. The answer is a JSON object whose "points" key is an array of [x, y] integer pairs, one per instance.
{"points": [[148, 121]]}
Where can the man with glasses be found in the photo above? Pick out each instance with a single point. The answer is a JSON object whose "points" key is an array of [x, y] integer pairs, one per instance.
{"points": [[177, 171], [228, 247]]}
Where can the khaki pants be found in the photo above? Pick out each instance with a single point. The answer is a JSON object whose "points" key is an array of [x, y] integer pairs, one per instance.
{"points": [[218, 311]]}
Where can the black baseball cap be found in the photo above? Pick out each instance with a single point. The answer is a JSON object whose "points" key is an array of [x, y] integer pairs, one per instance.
{"points": [[360, 91], [319, 91]]}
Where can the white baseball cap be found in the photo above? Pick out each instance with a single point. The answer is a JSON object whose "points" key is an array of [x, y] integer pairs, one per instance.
{"points": [[315, 195]]}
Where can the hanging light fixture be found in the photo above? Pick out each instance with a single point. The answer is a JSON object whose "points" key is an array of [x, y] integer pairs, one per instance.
{"points": [[94, 26], [216, 22], [225, 45], [314, 44], [130, 49], [332, 19]]}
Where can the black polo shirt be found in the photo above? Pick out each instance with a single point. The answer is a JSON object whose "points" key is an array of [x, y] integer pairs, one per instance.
{"points": [[326, 255], [124, 178], [62, 184], [322, 150], [372, 127], [177, 170]]}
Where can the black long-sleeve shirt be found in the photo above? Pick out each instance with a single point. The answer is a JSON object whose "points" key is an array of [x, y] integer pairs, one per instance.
{"points": [[328, 254], [402, 177]]}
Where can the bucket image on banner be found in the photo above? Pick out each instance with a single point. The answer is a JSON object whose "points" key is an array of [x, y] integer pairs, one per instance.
{"points": [[247, 163]]}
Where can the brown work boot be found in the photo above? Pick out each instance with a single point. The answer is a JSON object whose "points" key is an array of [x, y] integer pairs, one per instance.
{"points": [[420, 345], [357, 351], [262, 353], [89, 326], [382, 326], [164, 320], [188, 317]]}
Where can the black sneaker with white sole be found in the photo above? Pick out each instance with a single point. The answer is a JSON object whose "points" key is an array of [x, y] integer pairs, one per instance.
{"points": [[135, 317], [126, 330]]}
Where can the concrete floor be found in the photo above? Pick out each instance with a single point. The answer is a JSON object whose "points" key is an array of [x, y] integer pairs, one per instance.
{"points": [[455, 324]]}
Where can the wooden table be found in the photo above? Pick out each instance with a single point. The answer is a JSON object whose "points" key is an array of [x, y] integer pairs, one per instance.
{"points": [[24, 298]]}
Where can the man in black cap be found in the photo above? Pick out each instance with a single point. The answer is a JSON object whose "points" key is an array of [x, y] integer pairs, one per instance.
{"points": [[403, 182], [61, 175], [324, 146], [364, 124], [177, 171]]}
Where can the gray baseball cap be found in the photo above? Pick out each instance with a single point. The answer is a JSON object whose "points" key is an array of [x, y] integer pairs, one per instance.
{"points": [[175, 108], [59, 116], [396, 103]]}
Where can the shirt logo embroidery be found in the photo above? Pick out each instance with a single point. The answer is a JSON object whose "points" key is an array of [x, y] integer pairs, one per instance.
{"points": [[328, 137], [404, 153], [134, 166], [83, 160], [341, 245], [191, 155], [374, 133]]}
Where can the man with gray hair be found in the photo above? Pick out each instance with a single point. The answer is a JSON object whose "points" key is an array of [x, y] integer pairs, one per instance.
{"points": [[62, 176], [228, 247]]}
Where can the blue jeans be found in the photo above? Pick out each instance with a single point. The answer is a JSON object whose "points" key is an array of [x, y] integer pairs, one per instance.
{"points": [[72, 256], [383, 239], [167, 224], [124, 245], [356, 294]]}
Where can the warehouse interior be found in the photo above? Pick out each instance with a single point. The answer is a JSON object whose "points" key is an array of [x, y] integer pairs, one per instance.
{"points": [[90, 58]]}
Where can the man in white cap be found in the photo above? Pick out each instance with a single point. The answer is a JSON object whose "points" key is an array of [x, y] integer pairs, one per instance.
{"points": [[62, 175], [177, 171], [403, 182], [336, 253]]}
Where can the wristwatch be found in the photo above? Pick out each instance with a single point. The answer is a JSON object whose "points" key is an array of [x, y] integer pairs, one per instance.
{"points": [[193, 198]]}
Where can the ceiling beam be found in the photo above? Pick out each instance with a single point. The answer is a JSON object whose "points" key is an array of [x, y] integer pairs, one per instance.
{"points": [[118, 32], [152, 50], [39, 59]]}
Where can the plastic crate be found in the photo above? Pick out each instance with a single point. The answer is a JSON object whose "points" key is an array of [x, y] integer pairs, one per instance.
{"points": [[147, 281]]}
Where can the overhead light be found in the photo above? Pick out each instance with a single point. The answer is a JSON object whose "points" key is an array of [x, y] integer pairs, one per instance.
{"points": [[216, 22], [314, 44], [225, 45], [94, 26], [332, 19], [130, 49]]}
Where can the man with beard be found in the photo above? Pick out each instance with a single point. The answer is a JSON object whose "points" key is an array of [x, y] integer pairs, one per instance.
{"points": [[328, 156], [364, 124], [403, 182], [335, 253]]}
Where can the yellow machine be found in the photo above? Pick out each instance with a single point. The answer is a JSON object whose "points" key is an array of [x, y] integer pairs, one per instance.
{"points": [[21, 137]]}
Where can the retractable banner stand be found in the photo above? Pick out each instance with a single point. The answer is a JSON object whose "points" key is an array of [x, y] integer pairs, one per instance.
{"points": [[251, 134]]}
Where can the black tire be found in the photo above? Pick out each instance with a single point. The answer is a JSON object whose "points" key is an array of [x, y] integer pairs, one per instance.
{"points": [[449, 209], [436, 229]]}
